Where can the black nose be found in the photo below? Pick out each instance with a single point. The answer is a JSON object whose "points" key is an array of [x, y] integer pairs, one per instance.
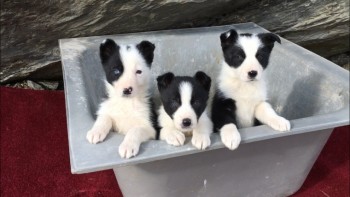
{"points": [[127, 91], [186, 122], [252, 74]]}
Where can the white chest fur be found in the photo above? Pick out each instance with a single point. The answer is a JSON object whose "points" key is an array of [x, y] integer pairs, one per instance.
{"points": [[247, 95], [126, 112]]}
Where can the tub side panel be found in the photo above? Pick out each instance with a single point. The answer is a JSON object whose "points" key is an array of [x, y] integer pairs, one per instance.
{"points": [[303, 87], [276, 167]]}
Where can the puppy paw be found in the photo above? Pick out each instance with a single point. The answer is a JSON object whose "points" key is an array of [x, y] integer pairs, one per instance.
{"points": [[173, 137], [128, 149], [201, 141], [230, 136], [279, 124], [95, 136]]}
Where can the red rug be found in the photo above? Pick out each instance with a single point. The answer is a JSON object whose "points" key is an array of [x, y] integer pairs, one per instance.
{"points": [[35, 158]]}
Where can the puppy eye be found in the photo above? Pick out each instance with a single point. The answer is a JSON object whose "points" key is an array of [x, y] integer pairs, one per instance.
{"points": [[176, 100], [116, 71], [175, 103], [196, 102], [259, 56], [138, 71], [239, 57]]}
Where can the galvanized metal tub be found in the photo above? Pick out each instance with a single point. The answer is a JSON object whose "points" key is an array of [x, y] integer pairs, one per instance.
{"points": [[303, 87]]}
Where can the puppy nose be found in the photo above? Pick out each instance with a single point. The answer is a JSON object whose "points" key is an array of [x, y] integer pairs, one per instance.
{"points": [[252, 74], [186, 122], [127, 91]]}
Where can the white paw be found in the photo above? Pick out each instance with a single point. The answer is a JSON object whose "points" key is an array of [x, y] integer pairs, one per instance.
{"points": [[173, 137], [201, 141], [128, 148], [95, 136], [230, 136], [279, 123]]}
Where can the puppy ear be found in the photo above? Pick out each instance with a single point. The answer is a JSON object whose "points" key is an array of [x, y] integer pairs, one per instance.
{"points": [[107, 48], [203, 79], [228, 38], [269, 38], [164, 80], [146, 49]]}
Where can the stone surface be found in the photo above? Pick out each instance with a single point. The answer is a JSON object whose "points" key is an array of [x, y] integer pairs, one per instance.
{"points": [[30, 29], [342, 60], [36, 85], [321, 26]]}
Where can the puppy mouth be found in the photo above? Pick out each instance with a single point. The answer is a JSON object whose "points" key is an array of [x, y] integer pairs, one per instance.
{"points": [[126, 95], [251, 80], [184, 129], [187, 129]]}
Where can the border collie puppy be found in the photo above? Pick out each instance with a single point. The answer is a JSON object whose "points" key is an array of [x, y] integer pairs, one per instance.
{"points": [[183, 109], [128, 108], [240, 99]]}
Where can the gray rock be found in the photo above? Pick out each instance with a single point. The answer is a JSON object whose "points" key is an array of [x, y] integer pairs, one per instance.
{"points": [[35, 85], [342, 60], [321, 26], [30, 29]]}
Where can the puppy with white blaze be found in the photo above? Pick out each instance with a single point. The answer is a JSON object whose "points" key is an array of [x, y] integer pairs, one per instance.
{"points": [[240, 99], [183, 109], [128, 108]]}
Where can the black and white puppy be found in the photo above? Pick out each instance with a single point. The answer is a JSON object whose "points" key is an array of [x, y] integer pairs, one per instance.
{"points": [[240, 98], [128, 108], [183, 109]]}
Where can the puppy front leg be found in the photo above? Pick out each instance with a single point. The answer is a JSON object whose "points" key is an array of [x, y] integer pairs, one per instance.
{"points": [[172, 136], [168, 132], [201, 134], [265, 114], [100, 129], [224, 119], [133, 139], [230, 136]]}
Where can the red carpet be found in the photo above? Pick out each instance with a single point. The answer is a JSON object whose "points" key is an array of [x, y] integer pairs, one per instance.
{"points": [[35, 158]]}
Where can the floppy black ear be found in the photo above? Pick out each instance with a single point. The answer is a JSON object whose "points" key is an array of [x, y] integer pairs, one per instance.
{"points": [[269, 38], [146, 49], [228, 38], [164, 80], [203, 79], [107, 48]]}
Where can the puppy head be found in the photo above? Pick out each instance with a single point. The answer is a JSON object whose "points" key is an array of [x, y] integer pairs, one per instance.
{"points": [[184, 98], [127, 68], [247, 54]]}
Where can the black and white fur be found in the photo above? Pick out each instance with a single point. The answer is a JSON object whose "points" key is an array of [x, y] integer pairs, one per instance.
{"points": [[128, 108], [240, 99], [183, 109]]}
